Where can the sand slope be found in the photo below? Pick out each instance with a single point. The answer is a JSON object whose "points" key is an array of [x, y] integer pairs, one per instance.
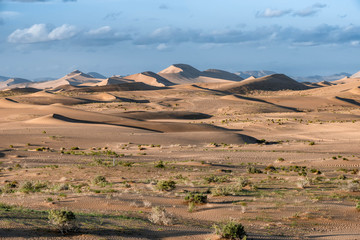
{"points": [[150, 78], [14, 82], [273, 82], [184, 74]]}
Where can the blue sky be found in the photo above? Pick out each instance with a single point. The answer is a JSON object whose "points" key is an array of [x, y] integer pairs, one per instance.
{"points": [[40, 38]]}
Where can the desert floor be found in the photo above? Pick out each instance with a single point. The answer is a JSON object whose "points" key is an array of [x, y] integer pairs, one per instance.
{"points": [[284, 164]]}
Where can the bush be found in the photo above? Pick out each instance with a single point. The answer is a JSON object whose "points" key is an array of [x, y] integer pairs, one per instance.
{"points": [[358, 206], [165, 185], [100, 180], [230, 230], [253, 170], [234, 190], [216, 179], [64, 221], [28, 187], [159, 164], [160, 216], [194, 197]]}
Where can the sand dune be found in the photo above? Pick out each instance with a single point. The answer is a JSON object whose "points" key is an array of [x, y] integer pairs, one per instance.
{"points": [[150, 78], [185, 74], [114, 81], [165, 115], [14, 82], [220, 74], [46, 98], [131, 86], [356, 75], [274, 82]]}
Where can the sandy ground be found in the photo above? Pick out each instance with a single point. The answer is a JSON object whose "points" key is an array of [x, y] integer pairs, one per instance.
{"points": [[197, 132]]}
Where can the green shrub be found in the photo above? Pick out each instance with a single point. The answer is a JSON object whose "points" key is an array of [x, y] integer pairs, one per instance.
{"points": [[159, 164], [221, 190], [230, 230], [63, 220], [358, 206], [216, 179], [165, 185], [195, 197], [100, 180], [253, 170]]}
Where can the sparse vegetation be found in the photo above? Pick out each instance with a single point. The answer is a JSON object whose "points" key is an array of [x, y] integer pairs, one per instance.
{"points": [[230, 230], [160, 216], [166, 185], [63, 220]]}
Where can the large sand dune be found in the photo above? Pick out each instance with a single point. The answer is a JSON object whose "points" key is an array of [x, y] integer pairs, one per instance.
{"points": [[150, 78], [184, 74], [273, 82]]}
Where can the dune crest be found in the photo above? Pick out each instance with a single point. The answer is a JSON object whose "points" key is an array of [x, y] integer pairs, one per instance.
{"points": [[150, 78], [185, 74]]}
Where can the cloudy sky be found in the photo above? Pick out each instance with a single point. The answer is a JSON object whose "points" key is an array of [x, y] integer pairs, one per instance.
{"points": [[49, 38]]}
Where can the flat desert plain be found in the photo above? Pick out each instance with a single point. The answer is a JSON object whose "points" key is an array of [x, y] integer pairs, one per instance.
{"points": [[127, 155]]}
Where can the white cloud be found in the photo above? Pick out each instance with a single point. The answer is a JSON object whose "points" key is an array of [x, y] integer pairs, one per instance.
{"points": [[63, 32], [40, 33], [9, 14], [310, 11], [162, 47], [272, 13], [99, 31]]}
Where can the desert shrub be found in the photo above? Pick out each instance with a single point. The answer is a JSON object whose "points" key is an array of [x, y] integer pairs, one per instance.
{"points": [[270, 168], [342, 177], [352, 186], [358, 206], [160, 216], [166, 185], [63, 220], [230, 230], [243, 182], [216, 179], [195, 197], [159, 164], [5, 207], [10, 187], [74, 148], [221, 190], [253, 170], [303, 183], [100, 180]]}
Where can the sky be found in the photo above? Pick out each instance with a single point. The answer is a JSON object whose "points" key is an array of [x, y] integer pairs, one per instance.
{"points": [[50, 38]]}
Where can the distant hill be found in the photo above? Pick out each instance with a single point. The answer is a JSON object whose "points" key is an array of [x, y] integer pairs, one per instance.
{"points": [[254, 73], [3, 78], [14, 82], [96, 75], [356, 75], [319, 78]]}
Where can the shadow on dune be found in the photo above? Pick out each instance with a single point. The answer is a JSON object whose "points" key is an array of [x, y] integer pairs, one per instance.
{"points": [[67, 119], [348, 100], [224, 93], [100, 232]]}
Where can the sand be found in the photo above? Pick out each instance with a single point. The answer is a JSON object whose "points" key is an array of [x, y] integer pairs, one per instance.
{"points": [[122, 129]]}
